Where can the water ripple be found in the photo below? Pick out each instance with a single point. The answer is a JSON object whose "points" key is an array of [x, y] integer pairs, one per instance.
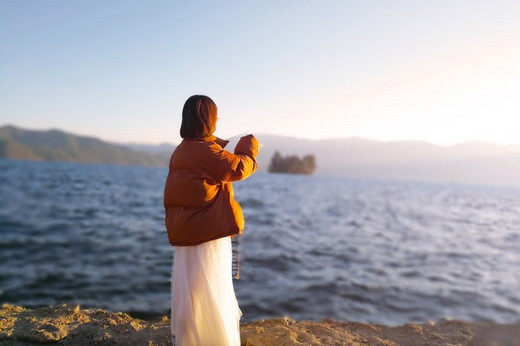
{"points": [[373, 251]]}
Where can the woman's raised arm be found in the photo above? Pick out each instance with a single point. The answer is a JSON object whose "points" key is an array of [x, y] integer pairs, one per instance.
{"points": [[240, 164]]}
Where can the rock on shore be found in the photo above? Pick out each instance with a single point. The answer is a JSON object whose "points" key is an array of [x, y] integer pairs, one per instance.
{"points": [[70, 325]]}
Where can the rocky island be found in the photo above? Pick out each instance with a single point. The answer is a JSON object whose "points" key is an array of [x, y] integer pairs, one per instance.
{"points": [[71, 325], [292, 164]]}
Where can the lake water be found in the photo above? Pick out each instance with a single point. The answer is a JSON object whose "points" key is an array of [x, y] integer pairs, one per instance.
{"points": [[314, 247]]}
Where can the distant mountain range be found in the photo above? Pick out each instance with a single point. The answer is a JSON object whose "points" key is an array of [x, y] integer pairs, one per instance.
{"points": [[469, 162], [56, 145]]}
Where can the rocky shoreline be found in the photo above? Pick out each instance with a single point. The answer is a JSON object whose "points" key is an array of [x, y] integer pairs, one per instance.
{"points": [[71, 325]]}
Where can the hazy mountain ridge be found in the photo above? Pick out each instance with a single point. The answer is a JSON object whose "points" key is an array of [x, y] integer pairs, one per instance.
{"points": [[163, 148], [470, 162], [57, 145]]}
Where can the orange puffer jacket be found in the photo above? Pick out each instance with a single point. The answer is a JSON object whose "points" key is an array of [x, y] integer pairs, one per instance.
{"points": [[198, 195]]}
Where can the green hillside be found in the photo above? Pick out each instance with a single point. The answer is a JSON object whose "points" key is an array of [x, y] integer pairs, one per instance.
{"points": [[55, 145]]}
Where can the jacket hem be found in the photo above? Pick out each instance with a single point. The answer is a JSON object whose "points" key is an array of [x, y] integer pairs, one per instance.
{"points": [[206, 240]]}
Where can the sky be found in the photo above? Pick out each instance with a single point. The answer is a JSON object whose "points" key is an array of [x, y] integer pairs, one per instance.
{"points": [[120, 70]]}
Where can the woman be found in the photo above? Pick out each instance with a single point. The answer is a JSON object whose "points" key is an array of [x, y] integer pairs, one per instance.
{"points": [[201, 216]]}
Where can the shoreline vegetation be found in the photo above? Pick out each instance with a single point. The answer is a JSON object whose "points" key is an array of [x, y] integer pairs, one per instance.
{"points": [[71, 325]]}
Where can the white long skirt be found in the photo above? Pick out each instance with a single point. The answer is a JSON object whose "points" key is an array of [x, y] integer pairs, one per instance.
{"points": [[204, 306]]}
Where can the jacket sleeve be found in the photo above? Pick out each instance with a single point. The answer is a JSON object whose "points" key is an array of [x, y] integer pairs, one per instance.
{"points": [[240, 164]]}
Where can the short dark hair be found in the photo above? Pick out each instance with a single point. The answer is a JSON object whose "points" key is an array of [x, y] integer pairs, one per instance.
{"points": [[199, 117]]}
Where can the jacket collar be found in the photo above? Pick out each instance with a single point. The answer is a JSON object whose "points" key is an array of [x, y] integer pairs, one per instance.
{"points": [[214, 139]]}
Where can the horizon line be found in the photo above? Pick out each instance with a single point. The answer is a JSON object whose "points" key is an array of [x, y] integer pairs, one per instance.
{"points": [[354, 137]]}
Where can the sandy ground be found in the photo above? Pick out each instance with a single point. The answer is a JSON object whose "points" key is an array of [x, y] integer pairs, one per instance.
{"points": [[70, 325]]}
